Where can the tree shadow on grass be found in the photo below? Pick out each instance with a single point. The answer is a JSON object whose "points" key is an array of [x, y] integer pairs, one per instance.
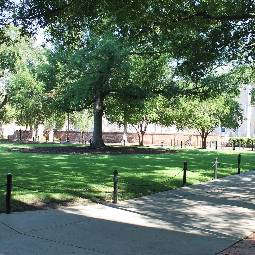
{"points": [[91, 176], [47, 202]]}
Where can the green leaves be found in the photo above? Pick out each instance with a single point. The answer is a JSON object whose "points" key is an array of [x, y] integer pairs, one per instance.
{"points": [[208, 114]]}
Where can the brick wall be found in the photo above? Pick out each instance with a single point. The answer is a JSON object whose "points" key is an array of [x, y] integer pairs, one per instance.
{"points": [[116, 137]]}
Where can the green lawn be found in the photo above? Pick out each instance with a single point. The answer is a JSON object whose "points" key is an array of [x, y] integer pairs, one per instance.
{"points": [[55, 178]]}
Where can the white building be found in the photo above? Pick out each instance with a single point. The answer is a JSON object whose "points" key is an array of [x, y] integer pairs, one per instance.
{"points": [[247, 128]]}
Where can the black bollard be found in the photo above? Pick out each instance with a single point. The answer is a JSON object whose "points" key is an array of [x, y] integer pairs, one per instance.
{"points": [[185, 168], [181, 144], [8, 193], [252, 145], [239, 164], [115, 186], [216, 145]]}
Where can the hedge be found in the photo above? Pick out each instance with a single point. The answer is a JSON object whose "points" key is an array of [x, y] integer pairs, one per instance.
{"points": [[242, 141]]}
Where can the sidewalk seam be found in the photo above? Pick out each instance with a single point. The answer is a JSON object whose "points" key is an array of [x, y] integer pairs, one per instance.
{"points": [[54, 241]]}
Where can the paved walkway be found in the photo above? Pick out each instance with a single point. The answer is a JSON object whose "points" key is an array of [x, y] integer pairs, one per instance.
{"points": [[196, 220]]}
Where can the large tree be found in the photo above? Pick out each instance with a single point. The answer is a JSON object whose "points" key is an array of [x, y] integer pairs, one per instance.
{"points": [[87, 77]]}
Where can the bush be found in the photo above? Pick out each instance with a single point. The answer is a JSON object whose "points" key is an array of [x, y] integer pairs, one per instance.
{"points": [[241, 141]]}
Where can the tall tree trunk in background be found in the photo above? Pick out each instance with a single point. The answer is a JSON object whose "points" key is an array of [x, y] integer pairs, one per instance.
{"points": [[204, 135], [141, 130], [97, 141], [125, 134], [68, 127], [1, 130], [142, 133]]}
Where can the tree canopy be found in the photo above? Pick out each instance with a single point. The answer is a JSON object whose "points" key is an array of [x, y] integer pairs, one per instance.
{"points": [[204, 116], [198, 34]]}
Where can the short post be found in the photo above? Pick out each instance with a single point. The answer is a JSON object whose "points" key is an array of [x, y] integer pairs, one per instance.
{"points": [[216, 145], [234, 145], [185, 168], [239, 164], [8, 193], [162, 144], [216, 165], [181, 144], [115, 186], [252, 145]]}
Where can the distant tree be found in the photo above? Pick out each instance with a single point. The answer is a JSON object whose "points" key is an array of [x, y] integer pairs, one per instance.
{"points": [[139, 113], [81, 121], [204, 116], [27, 95], [85, 78]]}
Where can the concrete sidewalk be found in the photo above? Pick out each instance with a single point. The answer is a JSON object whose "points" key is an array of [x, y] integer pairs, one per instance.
{"points": [[196, 220]]}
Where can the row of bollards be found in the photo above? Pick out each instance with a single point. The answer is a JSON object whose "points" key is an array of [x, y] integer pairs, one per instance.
{"points": [[216, 165], [115, 181]]}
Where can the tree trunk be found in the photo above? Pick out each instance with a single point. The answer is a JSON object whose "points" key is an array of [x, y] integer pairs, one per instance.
{"points": [[1, 131], [125, 134], [68, 127], [142, 132], [97, 141], [141, 140], [204, 135], [203, 142]]}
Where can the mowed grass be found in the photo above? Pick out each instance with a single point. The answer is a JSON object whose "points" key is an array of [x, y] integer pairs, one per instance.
{"points": [[40, 179]]}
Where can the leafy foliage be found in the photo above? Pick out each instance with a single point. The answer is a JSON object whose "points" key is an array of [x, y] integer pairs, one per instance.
{"points": [[206, 115]]}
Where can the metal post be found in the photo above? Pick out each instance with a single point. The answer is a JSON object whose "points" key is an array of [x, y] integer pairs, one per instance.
{"points": [[252, 145], [234, 145], [216, 145], [215, 165], [115, 186], [181, 144], [185, 168], [8, 193], [239, 164]]}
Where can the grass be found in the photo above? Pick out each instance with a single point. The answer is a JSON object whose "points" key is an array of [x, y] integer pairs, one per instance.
{"points": [[40, 179]]}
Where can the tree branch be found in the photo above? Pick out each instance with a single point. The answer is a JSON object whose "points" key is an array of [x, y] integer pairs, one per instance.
{"points": [[233, 17]]}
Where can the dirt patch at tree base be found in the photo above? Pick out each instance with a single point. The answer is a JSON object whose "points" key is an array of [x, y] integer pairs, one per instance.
{"points": [[89, 150]]}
